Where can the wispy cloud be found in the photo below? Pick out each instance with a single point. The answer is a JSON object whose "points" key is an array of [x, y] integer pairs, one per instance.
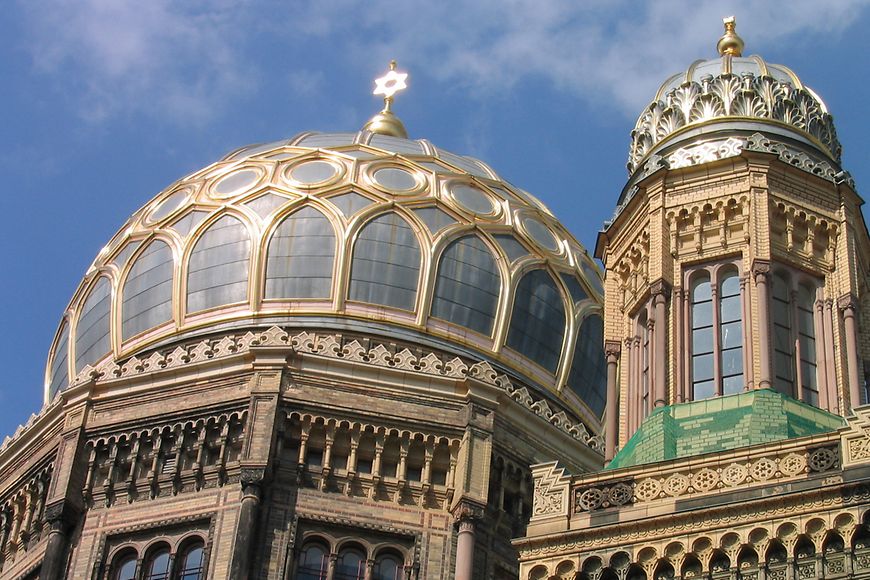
{"points": [[188, 60]]}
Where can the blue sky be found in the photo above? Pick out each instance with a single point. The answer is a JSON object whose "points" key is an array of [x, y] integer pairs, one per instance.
{"points": [[105, 103]]}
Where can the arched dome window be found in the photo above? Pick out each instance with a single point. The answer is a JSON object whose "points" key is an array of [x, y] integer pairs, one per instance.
{"points": [[538, 320], [124, 566], [313, 561], [588, 376], [59, 370], [300, 257], [157, 564], [218, 267], [92, 330], [386, 263], [147, 292], [190, 562], [467, 286]]}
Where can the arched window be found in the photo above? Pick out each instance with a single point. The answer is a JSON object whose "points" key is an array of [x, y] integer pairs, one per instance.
{"points": [[124, 566], [157, 564], [92, 331], [588, 376], [300, 257], [388, 566], [59, 370], [386, 263], [350, 564], [792, 307], [467, 287], [716, 334], [218, 267], [313, 561], [538, 320], [147, 293], [190, 562]]}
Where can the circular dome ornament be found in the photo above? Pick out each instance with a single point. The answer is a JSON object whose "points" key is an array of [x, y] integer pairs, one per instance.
{"points": [[313, 173], [236, 182], [168, 205], [396, 180], [472, 199], [540, 233]]}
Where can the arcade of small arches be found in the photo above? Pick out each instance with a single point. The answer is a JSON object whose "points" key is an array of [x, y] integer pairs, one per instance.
{"points": [[462, 257], [161, 559], [324, 556], [817, 548]]}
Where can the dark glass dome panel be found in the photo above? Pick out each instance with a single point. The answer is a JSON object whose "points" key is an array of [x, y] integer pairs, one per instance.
{"points": [[301, 256], [59, 373], [588, 375], [538, 320], [92, 330], [467, 287], [147, 293], [218, 269]]}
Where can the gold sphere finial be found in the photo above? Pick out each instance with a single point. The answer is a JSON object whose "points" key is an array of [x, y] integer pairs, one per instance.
{"points": [[385, 122], [730, 43]]}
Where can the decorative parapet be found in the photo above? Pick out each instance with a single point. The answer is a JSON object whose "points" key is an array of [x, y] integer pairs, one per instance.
{"points": [[336, 347], [551, 491]]}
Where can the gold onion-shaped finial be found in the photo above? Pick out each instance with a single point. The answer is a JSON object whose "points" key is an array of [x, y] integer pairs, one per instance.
{"points": [[730, 43], [385, 122]]}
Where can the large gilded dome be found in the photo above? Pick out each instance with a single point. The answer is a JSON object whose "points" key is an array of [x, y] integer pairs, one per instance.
{"points": [[733, 95], [361, 233]]}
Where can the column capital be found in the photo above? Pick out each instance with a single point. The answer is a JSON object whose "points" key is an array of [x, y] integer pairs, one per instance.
{"points": [[466, 514], [612, 348], [660, 287], [760, 269], [847, 302], [60, 516]]}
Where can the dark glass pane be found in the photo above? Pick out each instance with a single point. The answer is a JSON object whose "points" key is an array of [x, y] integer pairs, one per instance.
{"points": [[92, 332], [218, 266], [732, 361], [313, 563], [575, 289], [781, 313], [806, 324], [732, 334], [125, 568], [730, 285], [808, 349], [350, 203], [157, 567], [191, 564], [467, 286], [300, 257], [811, 396], [351, 565], [808, 375], [147, 293], [701, 289], [512, 248], [388, 567], [434, 218], [729, 309], [702, 340], [588, 375], [538, 320], [784, 365], [58, 379], [703, 390], [782, 339], [732, 385], [386, 263], [784, 386], [780, 288], [702, 367], [702, 314]]}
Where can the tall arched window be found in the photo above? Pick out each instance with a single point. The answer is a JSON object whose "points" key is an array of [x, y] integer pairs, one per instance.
{"points": [[190, 562], [147, 293], [217, 271], [386, 263], [92, 330], [350, 564], [588, 376], [467, 287], [58, 376], [313, 561], [716, 316], [301, 255], [792, 309], [538, 320], [124, 566], [157, 564]]}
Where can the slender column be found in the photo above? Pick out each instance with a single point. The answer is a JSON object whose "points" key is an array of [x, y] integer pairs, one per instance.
{"points": [[466, 517], [678, 344], [631, 397], [833, 392], [822, 360], [660, 293], [612, 350], [686, 355], [748, 346], [717, 337], [246, 528], [761, 273], [58, 517], [849, 306]]}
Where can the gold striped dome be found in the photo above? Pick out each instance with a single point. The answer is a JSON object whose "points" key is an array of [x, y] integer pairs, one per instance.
{"points": [[356, 232]]}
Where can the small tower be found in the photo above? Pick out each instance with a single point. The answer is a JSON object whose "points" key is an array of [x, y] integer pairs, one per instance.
{"points": [[737, 256]]}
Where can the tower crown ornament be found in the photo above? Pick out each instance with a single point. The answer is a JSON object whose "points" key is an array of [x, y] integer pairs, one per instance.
{"points": [[730, 43], [386, 122]]}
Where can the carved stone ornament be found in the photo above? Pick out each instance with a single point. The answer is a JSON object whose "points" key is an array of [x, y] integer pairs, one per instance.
{"points": [[705, 152], [551, 490], [797, 158], [856, 438]]}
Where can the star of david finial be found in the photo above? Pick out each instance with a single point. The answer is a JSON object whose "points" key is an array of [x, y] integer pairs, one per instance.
{"points": [[390, 84]]}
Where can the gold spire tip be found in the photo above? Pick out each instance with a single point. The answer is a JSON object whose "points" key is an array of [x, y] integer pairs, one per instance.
{"points": [[385, 122], [730, 43]]}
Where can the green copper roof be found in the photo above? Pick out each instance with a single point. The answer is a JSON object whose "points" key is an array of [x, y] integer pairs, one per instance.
{"points": [[722, 423]]}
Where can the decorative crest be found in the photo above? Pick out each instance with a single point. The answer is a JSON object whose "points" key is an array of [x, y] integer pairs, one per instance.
{"points": [[385, 122], [730, 43]]}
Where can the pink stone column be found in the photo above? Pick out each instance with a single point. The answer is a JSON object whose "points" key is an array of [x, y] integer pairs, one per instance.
{"points": [[761, 273], [466, 517], [848, 306], [612, 351], [833, 393], [660, 296]]}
